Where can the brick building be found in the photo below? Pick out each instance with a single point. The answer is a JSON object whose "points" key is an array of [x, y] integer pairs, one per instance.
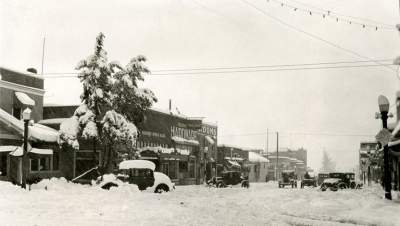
{"points": [[19, 91]]}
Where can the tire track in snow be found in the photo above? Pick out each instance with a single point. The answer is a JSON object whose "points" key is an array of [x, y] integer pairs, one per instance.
{"points": [[311, 221]]}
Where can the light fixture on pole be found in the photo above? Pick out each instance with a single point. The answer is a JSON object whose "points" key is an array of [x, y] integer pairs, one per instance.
{"points": [[383, 137], [26, 116]]}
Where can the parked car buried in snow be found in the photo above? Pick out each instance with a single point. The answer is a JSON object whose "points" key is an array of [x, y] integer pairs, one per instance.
{"points": [[321, 177], [333, 184], [309, 182], [139, 172], [288, 177], [229, 178]]}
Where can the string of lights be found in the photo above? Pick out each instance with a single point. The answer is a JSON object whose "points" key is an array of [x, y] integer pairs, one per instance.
{"points": [[328, 14]]}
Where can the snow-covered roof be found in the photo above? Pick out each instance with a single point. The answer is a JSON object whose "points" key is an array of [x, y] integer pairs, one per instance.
{"points": [[137, 164], [234, 163], [27, 73], [24, 98], [52, 121], [234, 146], [35, 131], [8, 148], [184, 141], [254, 157], [18, 151], [234, 158]]}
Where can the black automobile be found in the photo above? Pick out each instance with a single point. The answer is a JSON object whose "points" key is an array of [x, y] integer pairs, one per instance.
{"points": [[333, 184], [229, 178], [321, 177], [309, 181], [288, 178]]}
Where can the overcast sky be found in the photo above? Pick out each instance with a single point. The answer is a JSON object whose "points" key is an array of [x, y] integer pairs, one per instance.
{"points": [[179, 34]]}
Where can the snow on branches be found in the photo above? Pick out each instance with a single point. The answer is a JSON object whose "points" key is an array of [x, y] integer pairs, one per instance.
{"points": [[112, 103], [117, 129]]}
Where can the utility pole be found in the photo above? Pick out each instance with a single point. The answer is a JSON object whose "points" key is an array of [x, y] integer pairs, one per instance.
{"points": [[277, 156], [44, 42], [266, 148]]}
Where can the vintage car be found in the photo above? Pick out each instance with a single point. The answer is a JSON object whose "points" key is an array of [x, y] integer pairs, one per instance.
{"points": [[348, 179], [139, 172], [288, 177], [310, 181], [229, 178], [321, 177], [333, 184]]}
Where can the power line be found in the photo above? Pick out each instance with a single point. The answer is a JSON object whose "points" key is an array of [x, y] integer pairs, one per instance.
{"points": [[304, 134], [209, 71], [277, 65], [310, 34]]}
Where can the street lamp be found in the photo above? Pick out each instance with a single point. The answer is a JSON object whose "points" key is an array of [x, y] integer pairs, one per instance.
{"points": [[26, 116], [383, 103]]}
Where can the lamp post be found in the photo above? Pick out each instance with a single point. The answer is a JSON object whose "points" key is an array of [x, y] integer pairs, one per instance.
{"points": [[26, 116], [384, 109]]}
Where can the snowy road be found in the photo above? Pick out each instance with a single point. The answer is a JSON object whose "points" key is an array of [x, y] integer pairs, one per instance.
{"points": [[262, 204]]}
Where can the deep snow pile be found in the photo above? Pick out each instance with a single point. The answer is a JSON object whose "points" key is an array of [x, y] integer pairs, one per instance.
{"points": [[65, 203]]}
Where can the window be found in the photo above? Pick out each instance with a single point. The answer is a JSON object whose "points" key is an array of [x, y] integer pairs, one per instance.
{"points": [[172, 169], [17, 112], [40, 164], [56, 161], [192, 168]]}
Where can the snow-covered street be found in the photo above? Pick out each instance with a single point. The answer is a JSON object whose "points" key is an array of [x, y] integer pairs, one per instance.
{"points": [[263, 204]]}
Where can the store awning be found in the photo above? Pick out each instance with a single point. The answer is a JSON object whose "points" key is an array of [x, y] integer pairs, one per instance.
{"points": [[210, 140], [8, 148], [36, 131], [18, 151], [24, 99], [181, 140]]}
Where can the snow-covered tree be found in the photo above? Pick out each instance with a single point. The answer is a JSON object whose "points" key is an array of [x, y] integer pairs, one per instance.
{"points": [[111, 105], [328, 165]]}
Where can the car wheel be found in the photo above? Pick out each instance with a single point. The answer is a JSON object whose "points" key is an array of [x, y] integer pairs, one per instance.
{"points": [[161, 188], [334, 188], [109, 185], [220, 185], [342, 186], [323, 187]]}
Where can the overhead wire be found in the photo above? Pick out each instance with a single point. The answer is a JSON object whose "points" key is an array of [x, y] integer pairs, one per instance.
{"points": [[243, 69], [311, 35]]}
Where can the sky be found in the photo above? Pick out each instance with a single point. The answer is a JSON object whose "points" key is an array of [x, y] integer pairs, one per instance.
{"points": [[325, 109]]}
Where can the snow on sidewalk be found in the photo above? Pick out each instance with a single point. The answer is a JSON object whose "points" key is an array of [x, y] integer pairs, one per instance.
{"points": [[65, 203]]}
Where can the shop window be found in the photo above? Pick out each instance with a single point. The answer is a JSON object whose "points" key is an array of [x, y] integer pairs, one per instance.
{"points": [[183, 166], [16, 112], [172, 169], [192, 169], [165, 168], [56, 160], [40, 164]]}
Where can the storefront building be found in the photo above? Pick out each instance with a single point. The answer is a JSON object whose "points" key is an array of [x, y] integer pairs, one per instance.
{"points": [[19, 91]]}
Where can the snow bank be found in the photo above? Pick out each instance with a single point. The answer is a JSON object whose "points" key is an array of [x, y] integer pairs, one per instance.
{"points": [[254, 157]]}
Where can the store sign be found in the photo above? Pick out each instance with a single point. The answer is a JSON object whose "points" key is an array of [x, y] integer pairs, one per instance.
{"points": [[188, 134], [153, 134]]}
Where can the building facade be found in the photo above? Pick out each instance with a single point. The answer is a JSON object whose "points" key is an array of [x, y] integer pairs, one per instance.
{"points": [[19, 91]]}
